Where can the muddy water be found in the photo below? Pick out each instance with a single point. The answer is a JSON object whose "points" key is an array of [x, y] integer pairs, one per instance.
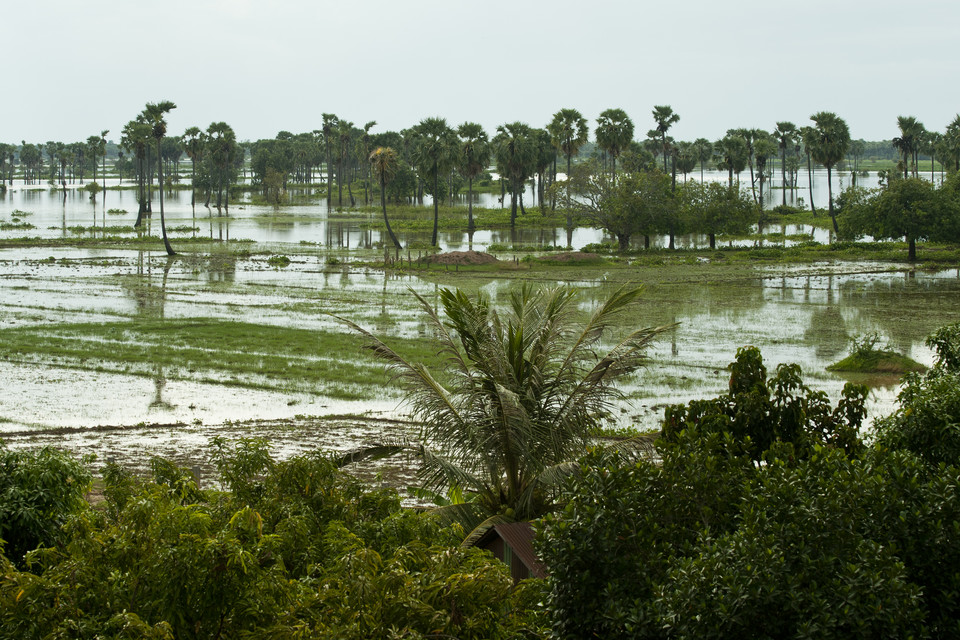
{"points": [[803, 314]]}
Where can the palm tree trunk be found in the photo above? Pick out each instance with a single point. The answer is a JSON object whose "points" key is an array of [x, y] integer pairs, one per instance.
{"points": [[436, 207], [470, 226], [163, 224], [783, 174], [383, 204], [810, 183], [833, 217]]}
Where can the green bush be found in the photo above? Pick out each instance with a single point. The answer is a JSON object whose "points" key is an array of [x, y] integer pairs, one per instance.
{"points": [[39, 490]]}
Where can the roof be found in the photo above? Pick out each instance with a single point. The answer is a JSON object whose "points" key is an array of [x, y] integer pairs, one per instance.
{"points": [[519, 535]]}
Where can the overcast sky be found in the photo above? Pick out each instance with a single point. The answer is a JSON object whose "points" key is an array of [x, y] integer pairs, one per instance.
{"points": [[72, 69]]}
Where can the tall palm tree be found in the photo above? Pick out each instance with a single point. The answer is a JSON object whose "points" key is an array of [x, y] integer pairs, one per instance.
{"points": [[785, 134], [515, 151], [808, 136], [473, 158], [764, 148], [434, 153], [383, 164], [951, 142], [155, 113], [522, 395], [568, 132], [831, 139], [908, 142], [704, 152], [614, 134], [665, 118], [731, 153], [329, 131], [193, 147]]}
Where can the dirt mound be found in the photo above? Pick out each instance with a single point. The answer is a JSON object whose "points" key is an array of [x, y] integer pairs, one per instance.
{"points": [[571, 256], [463, 258]]}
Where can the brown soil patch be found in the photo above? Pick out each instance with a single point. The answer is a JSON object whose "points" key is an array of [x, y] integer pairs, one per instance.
{"points": [[463, 258], [570, 256]]}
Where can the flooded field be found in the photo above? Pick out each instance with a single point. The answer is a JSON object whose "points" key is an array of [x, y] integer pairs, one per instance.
{"points": [[126, 353]]}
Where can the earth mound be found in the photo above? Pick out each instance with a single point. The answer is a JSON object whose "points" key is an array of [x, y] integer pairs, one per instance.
{"points": [[463, 258]]}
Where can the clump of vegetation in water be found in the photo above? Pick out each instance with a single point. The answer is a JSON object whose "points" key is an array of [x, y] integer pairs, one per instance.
{"points": [[867, 356], [278, 261]]}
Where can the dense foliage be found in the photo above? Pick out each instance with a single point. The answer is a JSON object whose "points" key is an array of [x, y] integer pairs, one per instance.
{"points": [[762, 518], [295, 549]]}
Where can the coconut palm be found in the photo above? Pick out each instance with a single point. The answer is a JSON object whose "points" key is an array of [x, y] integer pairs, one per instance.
{"points": [[731, 154], [472, 159], [808, 135], [614, 134], [764, 148], [785, 134], [831, 139], [951, 142], [154, 116], [664, 116], [521, 396], [383, 163]]}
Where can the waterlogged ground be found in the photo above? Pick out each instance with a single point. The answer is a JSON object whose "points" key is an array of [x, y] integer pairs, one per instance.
{"points": [[126, 353]]}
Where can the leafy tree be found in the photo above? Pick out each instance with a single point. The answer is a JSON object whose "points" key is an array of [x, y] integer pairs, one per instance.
{"points": [[926, 422], [712, 208], [383, 161], [472, 159], [39, 490], [910, 208], [522, 395], [639, 202], [830, 141], [434, 151], [614, 134], [154, 116]]}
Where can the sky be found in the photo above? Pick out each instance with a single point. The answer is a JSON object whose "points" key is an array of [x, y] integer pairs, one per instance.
{"points": [[72, 69]]}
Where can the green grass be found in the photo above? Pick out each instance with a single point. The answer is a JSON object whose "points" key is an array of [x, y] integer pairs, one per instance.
{"points": [[877, 362], [208, 350]]}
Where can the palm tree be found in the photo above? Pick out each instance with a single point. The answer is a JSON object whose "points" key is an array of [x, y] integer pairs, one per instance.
{"points": [[434, 153], [830, 143], [568, 132], [522, 396], [193, 146], [908, 142], [704, 152], [785, 134], [764, 148], [614, 134], [664, 116], [329, 123], [473, 158], [383, 163], [155, 113], [731, 152], [807, 135], [515, 152], [951, 142]]}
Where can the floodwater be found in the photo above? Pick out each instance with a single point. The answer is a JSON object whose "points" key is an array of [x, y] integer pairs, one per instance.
{"points": [[805, 314]]}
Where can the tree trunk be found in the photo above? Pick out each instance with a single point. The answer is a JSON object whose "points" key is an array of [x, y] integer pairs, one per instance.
{"points": [[833, 217], [470, 225], [383, 204], [911, 249], [713, 241], [436, 207], [623, 241], [783, 174], [163, 224], [810, 183]]}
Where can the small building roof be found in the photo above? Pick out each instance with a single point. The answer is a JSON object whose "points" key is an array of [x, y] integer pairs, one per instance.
{"points": [[519, 535]]}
